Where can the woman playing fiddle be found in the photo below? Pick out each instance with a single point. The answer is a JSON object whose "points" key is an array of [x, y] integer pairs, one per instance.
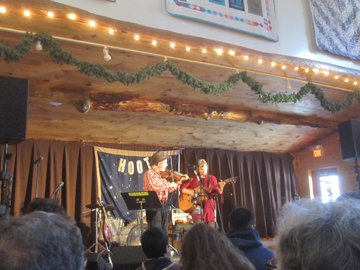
{"points": [[207, 180]]}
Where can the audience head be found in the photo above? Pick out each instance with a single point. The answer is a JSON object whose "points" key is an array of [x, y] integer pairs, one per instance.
{"points": [[313, 235], [204, 248], [154, 242], [40, 241], [46, 205], [352, 194], [242, 218]]}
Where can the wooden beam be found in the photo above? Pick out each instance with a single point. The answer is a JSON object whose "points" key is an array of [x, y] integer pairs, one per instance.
{"points": [[111, 102]]}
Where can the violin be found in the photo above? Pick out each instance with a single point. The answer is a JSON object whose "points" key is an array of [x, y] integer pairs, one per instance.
{"points": [[177, 176]]}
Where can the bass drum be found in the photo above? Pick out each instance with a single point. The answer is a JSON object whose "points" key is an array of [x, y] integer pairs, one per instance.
{"points": [[130, 235]]}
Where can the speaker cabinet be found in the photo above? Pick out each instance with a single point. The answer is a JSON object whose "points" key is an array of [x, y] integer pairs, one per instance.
{"points": [[349, 133], [128, 257], [95, 262], [13, 109]]}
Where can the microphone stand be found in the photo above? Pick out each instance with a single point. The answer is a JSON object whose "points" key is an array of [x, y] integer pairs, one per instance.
{"points": [[202, 189], [37, 176]]}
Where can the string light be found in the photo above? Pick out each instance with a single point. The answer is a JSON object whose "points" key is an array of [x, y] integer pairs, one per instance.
{"points": [[72, 16]]}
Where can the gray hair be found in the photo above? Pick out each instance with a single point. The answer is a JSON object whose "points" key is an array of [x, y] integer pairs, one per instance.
{"points": [[313, 235], [40, 241]]}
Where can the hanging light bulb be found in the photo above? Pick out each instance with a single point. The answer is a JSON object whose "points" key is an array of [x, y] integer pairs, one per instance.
{"points": [[38, 46], [107, 56]]}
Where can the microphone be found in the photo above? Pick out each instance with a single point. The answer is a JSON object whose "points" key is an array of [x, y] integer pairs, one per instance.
{"points": [[58, 187], [38, 160], [191, 166]]}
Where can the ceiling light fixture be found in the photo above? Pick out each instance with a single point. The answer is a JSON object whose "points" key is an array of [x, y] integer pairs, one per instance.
{"points": [[107, 56], [50, 14], [2, 10]]}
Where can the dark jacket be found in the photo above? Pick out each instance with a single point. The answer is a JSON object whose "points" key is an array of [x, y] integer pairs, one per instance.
{"points": [[248, 241], [159, 264]]}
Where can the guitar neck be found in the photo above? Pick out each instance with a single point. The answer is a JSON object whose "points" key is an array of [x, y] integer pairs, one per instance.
{"points": [[214, 186]]}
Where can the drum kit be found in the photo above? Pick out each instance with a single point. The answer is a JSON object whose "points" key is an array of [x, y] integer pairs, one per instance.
{"points": [[113, 231]]}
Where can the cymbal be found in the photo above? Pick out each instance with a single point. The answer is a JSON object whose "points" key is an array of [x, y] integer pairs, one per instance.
{"points": [[95, 205]]}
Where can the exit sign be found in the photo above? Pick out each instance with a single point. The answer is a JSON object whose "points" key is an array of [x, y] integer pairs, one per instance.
{"points": [[317, 151]]}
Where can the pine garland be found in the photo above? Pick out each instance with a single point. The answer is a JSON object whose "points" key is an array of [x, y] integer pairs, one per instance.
{"points": [[97, 70]]}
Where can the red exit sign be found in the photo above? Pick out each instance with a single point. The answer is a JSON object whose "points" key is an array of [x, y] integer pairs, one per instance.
{"points": [[317, 152]]}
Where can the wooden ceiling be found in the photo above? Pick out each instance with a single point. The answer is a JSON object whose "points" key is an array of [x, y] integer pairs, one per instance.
{"points": [[162, 111]]}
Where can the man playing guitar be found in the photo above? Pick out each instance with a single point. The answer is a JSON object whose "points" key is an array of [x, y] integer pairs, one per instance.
{"points": [[207, 180]]}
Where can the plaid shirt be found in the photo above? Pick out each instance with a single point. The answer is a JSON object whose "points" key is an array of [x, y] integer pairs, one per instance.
{"points": [[152, 180]]}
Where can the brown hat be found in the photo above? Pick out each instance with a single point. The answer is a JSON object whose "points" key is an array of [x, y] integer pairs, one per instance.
{"points": [[157, 157]]}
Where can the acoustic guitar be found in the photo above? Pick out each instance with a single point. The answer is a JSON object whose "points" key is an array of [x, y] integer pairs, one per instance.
{"points": [[186, 201]]}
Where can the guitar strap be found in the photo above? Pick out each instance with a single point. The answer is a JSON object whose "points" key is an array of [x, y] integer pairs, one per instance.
{"points": [[208, 180]]}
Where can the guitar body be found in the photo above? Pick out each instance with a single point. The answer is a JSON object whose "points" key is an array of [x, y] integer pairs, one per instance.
{"points": [[186, 202]]}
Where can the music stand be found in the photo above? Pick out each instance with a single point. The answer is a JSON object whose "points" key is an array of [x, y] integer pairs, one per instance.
{"points": [[141, 200]]}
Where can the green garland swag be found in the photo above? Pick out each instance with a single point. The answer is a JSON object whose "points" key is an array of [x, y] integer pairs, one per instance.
{"points": [[64, 57]]}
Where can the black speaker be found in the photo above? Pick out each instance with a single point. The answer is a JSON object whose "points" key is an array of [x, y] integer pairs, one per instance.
{"points": [[95, 262], [13, 109], [349, 132], [128, 257]]}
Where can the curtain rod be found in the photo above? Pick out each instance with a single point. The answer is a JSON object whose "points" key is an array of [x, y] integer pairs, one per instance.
{"points": [[177, 58]]}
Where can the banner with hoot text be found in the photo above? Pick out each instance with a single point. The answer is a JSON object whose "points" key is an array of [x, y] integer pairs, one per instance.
{"points": [[121, 171]]}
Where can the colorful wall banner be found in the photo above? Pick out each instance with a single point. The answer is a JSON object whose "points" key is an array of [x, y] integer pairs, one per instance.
{"points": [[252, 16], [336, 25], [121, 171]]}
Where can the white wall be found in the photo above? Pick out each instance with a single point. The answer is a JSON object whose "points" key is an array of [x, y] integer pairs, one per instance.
{"points": [[294, 20]]}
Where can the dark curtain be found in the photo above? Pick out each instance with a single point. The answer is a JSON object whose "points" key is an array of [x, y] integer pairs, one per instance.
{"points": [[265, 181]]}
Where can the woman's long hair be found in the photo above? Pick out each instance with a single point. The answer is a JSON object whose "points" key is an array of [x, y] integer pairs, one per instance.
{"points": [[204, 248]]}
